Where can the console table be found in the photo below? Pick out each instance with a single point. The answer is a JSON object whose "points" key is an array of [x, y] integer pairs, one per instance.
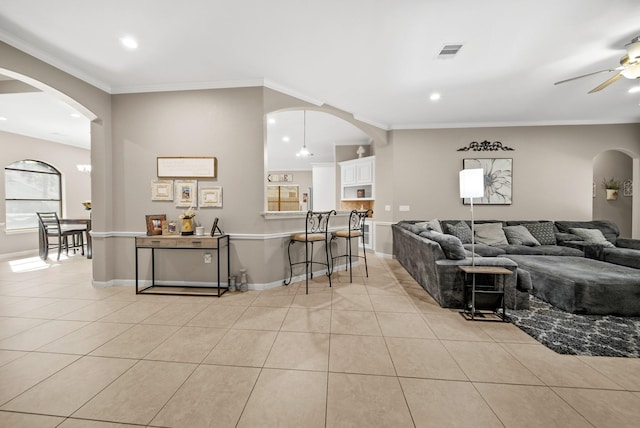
{"points": [[155, 243], [480, 297]]}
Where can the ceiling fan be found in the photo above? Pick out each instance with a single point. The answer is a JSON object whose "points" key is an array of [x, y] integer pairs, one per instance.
{"points": [[629, 67]]}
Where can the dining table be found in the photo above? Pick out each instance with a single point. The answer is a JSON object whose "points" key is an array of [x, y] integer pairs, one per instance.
{"points": [[69, 222]]}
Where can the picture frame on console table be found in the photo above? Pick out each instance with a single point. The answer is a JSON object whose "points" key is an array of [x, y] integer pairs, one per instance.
{"points": [[154, 223], [498, 180]]}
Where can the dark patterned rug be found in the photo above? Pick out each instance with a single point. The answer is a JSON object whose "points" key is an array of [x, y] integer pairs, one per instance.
{"points": [[566, 333]]}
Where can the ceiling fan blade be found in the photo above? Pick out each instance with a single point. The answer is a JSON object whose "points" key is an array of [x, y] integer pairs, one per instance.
{"points": [[585, 75], [606, 83]]}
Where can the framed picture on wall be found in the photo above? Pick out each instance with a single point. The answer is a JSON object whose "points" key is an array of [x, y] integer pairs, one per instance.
{"points": [[497, 180], [186, 193], [210, 197], [162, 190]]}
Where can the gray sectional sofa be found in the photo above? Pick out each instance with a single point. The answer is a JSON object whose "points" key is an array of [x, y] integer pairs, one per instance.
{"points": [[581, 267]]}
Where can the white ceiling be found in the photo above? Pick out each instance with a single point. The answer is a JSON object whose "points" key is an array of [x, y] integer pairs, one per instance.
{"points": [[376, 59]]}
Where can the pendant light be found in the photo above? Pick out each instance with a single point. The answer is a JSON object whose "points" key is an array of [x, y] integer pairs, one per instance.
{"points": [[304, 152]]}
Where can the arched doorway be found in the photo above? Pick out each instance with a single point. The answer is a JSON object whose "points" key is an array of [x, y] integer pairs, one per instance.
{"points": [[617, 166]]}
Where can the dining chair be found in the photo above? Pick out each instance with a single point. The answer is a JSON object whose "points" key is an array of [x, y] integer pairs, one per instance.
{"points": [[316, 231], [53, 235], [355, 230]]}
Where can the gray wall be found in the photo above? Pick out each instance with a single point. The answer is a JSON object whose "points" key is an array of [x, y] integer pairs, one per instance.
{"points": [[613, 164], [76, 186]]}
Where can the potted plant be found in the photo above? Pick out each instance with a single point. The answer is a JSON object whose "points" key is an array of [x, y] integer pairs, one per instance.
{"points": [[612, 186]]}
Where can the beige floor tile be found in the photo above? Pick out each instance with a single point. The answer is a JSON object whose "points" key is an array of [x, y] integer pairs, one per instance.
{"points": [[212, 396], [236, 299], [397, 324], [523, 406], [307, 320], [392, 304], [351, 302], [25, 372], [138, 395], [40, 335], [423, 358], [344, 287], [176, 314], [451, 326], [286, 398], [56, 309], [72, 386], [366, 401], [135, 312], [559, 370], [86, 339], [384, 289], [23, 420], [489, 362], [604, 408], [355, 322], [276, 301], [18, 308], [623, 371], [96, 310], [136, 342], [8, 356], [447, 404], [219, 316], [359, 354], [312, 301], [84, 423], [506, 332], [242, 348], [300, 351], [188, 345], [12, 326], [261, 318]]}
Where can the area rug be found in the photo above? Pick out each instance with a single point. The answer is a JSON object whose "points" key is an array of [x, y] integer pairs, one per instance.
{"points": [[566, 333]]}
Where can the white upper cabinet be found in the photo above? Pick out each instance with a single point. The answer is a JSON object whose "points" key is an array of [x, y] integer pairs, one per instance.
{"points": [[358, 179]]}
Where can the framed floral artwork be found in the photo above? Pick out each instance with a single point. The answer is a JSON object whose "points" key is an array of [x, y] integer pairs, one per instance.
{"points": [[497, 180], [210, 197], [186, 193], [162, 190]]}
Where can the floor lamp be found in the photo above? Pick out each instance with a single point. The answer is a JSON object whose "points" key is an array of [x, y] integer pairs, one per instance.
{"points": [[472, 186]]}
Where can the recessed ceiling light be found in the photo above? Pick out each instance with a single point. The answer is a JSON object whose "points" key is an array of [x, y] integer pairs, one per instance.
{"points": [[129, 42], [286, 139], [271, 121], [76, 115], [3, 118], [434, 97], [634, 90]]}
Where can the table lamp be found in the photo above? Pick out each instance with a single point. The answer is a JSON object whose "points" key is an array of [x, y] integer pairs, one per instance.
{"points": [[472, 186]]}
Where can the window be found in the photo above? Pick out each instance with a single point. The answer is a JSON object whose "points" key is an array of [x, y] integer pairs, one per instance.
{"points": [[30, 187]]}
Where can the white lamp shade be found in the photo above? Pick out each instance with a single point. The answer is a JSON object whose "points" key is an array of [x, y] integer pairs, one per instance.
{"points": [[472, 183]]}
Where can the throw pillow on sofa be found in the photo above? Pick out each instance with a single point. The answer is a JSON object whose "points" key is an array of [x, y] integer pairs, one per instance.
{"points": [[520, 235], [543, 232], [451, 246], [430, 225], [592, 236], [461, 231], [490, 234]]}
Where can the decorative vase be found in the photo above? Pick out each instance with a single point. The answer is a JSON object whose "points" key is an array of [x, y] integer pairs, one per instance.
{"points": [[243, 280], [187, 227], [232, 283], [612, 194]]}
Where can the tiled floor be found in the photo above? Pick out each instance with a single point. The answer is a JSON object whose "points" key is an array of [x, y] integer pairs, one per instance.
{"points": [[377, 352]]}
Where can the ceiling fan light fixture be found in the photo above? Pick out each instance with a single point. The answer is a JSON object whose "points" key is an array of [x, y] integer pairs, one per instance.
{"points": [[633, 50], [632, 71]]}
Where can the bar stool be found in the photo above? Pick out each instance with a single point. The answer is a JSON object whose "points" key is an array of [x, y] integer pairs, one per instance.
{"points": [[316, 231], [355, 230]]}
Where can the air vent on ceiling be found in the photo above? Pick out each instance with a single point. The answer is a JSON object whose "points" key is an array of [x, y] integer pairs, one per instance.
{"points": [[449, 51]]}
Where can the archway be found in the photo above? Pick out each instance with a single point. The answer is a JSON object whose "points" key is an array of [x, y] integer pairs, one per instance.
{"points": [[618, 166]]}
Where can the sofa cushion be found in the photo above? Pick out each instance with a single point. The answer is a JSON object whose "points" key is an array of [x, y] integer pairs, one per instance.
{"points": [[460, 230], [542, 250], [610, 230], [623, 257], [592, 236], [484, 250], [490, 234], [430, 225], [520, 235], [451, 246], [543, 232]]}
